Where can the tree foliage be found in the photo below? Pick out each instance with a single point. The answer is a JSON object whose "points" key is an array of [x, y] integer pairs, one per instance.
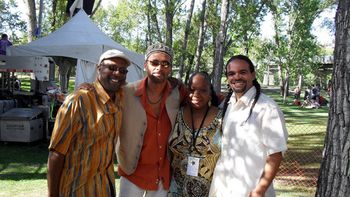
{"points": [[115, 20], [294, 49], [136, 24], [10, 19]]}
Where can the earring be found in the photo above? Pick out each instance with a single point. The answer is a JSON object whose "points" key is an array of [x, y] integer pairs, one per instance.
{"points": [[209, 103]]}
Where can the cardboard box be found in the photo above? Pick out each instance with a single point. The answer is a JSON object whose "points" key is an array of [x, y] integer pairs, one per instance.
{"points": [[21, 130], [21, 125]]}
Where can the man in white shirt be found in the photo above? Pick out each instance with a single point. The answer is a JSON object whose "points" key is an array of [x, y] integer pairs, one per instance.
{"points": [[254, 136]]}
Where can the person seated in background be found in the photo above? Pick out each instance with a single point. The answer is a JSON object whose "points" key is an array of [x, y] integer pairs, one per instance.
{"points": [[315, 94], [16, 83], [4, 43], [310, 104], [195, 142], [329, 88], [297, 93]]}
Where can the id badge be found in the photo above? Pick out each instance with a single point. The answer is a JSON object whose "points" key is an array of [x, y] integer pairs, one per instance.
{"points": [[192, 166]]}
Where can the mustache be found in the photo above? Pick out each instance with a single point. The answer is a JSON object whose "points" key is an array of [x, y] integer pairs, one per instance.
{"points": [[238, 81]]}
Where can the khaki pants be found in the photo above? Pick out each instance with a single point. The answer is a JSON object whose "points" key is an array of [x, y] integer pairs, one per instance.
{"points": [[128, 189]]}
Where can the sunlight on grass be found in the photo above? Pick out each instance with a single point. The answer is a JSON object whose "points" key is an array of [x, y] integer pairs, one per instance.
{"points": [[294, 191], [307, 129], [28, 188]]}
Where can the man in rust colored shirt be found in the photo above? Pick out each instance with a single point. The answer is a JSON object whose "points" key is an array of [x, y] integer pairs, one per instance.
{"points": [[150, 108]]}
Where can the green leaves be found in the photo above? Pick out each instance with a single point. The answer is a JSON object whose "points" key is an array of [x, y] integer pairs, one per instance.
{"points": [[11, 23]]}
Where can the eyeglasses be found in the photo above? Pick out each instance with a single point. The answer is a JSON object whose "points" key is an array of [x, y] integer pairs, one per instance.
{"points": [[115, 67], [164, 64]]}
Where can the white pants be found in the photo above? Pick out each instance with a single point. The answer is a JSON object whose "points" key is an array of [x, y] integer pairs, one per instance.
{"points": [[128, 189]]}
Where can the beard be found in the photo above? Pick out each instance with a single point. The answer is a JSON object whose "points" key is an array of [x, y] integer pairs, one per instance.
{"points": [[157, 80], [239, 86]]}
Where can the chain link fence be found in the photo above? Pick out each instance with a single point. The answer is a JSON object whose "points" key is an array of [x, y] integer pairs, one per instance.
{"points": [[298, 172]]}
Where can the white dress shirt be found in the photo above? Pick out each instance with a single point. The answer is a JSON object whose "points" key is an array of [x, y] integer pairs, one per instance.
{"points": [[246, 143]]}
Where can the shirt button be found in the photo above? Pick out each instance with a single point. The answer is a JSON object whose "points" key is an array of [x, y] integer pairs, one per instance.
{"points": [[160, 146]]}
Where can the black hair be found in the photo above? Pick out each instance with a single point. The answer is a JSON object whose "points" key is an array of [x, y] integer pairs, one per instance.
{"points": [[255, 83], [214, 98], [4, 36]]}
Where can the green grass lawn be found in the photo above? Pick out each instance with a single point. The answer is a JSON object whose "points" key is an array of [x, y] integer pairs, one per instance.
{"points": [[23, 166], [306, 129], [23, 169], [26, 84]]}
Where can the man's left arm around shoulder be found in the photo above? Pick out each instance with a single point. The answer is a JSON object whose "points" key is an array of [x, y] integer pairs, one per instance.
{"points": [[176, 83], [270, 170]]}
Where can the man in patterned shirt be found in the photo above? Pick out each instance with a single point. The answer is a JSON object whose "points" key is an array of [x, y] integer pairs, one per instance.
{"points": [[87, 126]]}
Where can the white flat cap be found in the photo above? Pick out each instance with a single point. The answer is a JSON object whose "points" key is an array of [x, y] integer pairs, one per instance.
{"points": [[113, 53]]}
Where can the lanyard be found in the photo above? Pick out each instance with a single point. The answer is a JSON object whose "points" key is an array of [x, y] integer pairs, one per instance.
{"points": [[196, 133]]}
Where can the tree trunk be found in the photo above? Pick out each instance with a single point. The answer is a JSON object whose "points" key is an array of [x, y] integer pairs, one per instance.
{"points": [[286, 86], [155, 20], [280, 79], [53, 11], [148, 33], [219, 47], [184, 43], [334, 173], [31, 19], [276, 18], [300, 81], [98, 4], [200, 41], [245, 42], [169, 14]]}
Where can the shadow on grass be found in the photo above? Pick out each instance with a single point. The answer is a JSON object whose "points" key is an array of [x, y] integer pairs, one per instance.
{"points": [[22, 176], [300, 166], [20, 161], [310, 140], [25, 161]]}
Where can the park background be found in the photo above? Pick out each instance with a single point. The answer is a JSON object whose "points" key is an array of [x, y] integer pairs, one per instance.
{"points": [[203, 35]]}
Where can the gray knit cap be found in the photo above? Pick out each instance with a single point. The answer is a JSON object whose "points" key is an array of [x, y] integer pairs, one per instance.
{"points": [[159, 47]]}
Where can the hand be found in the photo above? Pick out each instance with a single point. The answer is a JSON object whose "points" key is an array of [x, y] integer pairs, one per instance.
{"points": [[86, 86], [174, 82], [256, 193]]}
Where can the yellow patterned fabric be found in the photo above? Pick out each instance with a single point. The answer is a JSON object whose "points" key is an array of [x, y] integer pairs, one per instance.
{"points": [[86, 130], [208, 144]]}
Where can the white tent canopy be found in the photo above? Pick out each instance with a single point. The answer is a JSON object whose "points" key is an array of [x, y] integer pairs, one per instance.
{"points": [[79, 38]]}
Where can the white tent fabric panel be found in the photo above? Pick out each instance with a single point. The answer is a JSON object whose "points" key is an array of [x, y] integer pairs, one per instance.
{"points": [[79, 38], [85, 72]]}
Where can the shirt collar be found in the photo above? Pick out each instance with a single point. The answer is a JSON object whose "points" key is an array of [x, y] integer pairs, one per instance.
{"points": [[246, 98], [103, 96]]}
